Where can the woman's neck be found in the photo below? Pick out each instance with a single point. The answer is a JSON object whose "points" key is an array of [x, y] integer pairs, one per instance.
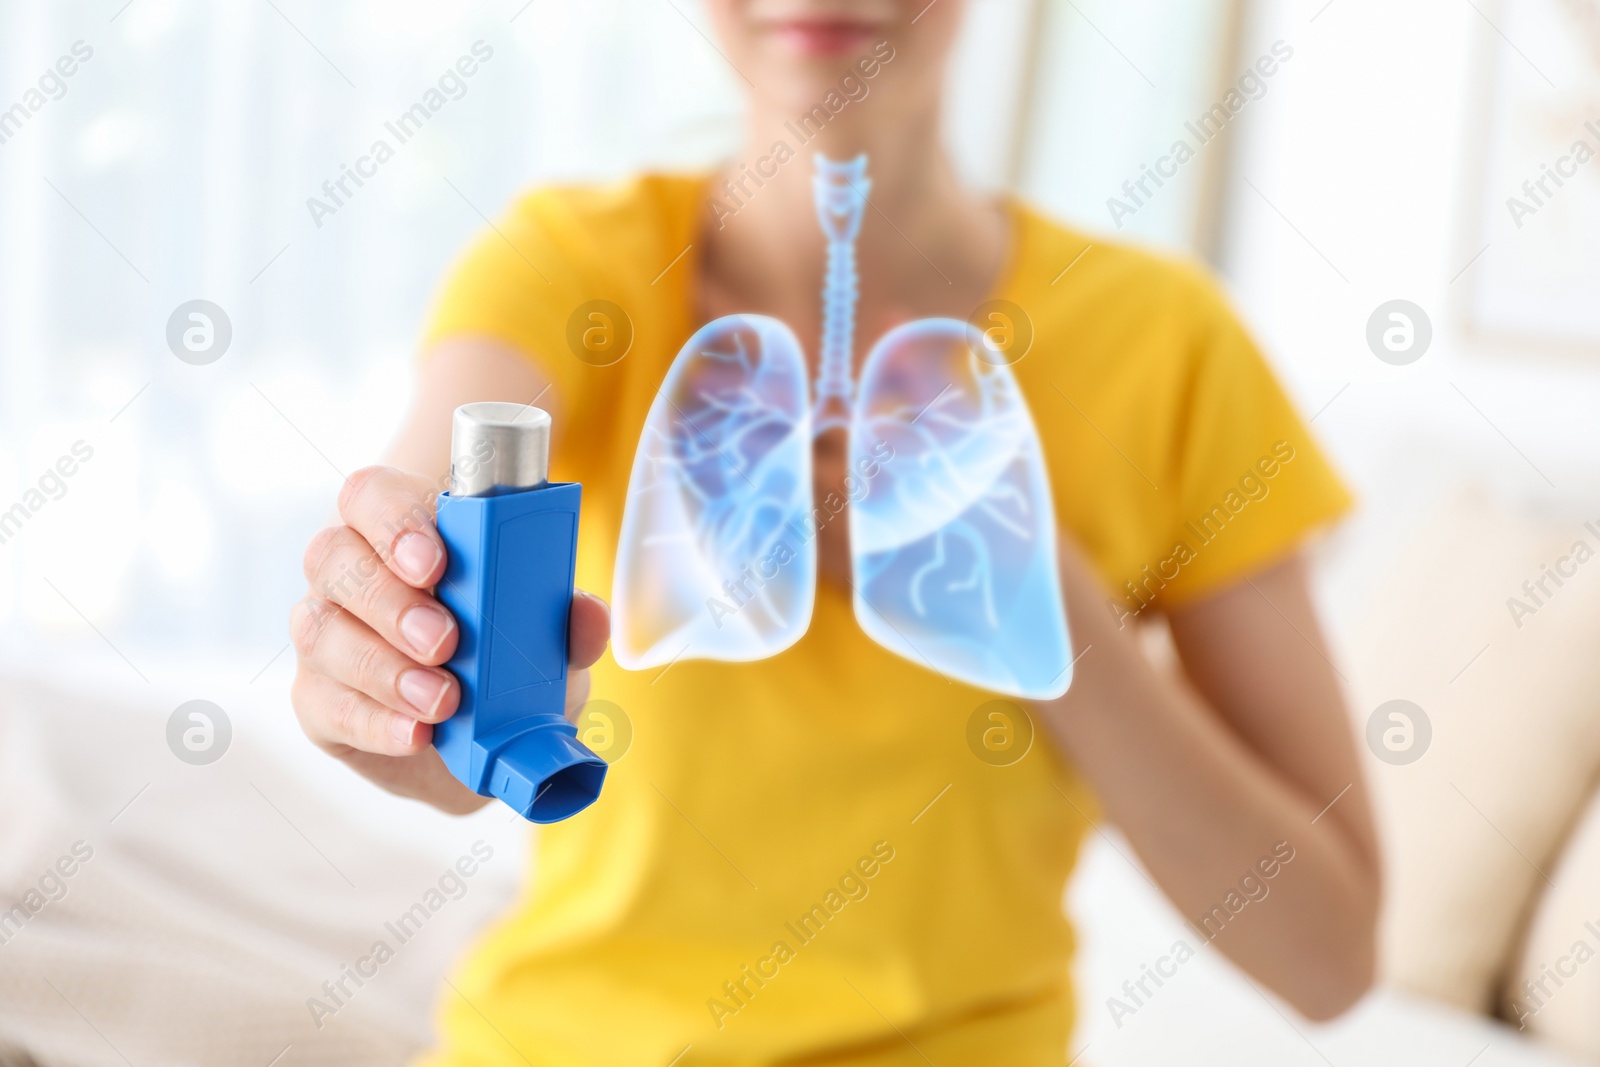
{"points": [[922, 228]]}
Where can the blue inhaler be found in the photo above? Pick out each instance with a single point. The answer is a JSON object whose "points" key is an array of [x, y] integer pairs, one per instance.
{"points": [[511, 538]]}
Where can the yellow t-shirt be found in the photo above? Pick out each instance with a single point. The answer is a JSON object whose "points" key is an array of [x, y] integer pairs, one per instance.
{"points": [[801, 860]]}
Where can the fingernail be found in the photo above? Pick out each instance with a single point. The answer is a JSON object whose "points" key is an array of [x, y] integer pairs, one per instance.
{"points": [[417, 555], [425, 627], [423, 690], [402, 729]]}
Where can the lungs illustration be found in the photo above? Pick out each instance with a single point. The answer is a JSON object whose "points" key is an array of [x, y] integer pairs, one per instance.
{"points": [[709, 565], [953, 544]]}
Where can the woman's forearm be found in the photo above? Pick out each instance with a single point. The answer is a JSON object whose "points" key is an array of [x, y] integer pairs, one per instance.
{"points": [[1210, 816]]}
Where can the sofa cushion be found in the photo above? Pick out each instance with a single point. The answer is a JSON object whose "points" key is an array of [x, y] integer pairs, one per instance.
{"points": [[1471, 625], [1553, 988]]}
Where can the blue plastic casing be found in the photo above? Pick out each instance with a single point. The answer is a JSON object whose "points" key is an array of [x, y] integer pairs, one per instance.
{"points": [[509, 582]]}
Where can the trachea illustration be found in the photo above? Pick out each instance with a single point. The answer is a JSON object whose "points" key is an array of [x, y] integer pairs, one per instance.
{"points": [[952, 529], [840, 190], [511, 539]]}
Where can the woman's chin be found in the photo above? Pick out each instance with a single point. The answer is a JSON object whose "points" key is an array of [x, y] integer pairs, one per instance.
{"points": [[796, 85]]}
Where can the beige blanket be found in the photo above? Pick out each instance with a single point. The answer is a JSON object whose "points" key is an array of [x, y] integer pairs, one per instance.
{"points": [[269, 908]]}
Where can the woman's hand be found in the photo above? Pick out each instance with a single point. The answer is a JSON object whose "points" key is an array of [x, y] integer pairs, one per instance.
{"points": [[371, 640]]}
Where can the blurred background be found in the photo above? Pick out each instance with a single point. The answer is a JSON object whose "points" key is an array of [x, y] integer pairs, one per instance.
{"points": [[1402, 152]]}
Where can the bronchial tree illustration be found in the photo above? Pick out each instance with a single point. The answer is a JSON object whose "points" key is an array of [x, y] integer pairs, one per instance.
{"points": [[952, 530]]}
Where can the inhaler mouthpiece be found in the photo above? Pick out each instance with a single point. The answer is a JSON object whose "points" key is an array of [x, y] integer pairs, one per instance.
{"points": [[495, 447]]}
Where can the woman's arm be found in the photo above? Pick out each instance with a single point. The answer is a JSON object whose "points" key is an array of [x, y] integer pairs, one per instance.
{"points": [[1206, 781]]}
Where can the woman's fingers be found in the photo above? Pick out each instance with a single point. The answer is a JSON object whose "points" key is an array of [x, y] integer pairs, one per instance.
{"points": [[577, 693], [338, 644], [589, 629], [371, 637], [394, 512], [345, 570], [587, 634], [339, 718]]}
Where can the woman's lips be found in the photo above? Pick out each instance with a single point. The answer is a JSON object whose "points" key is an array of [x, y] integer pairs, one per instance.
{"points": [[824, 38]]}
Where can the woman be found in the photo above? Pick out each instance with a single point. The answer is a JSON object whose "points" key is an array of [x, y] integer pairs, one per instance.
{"points": [[801, 860]]}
